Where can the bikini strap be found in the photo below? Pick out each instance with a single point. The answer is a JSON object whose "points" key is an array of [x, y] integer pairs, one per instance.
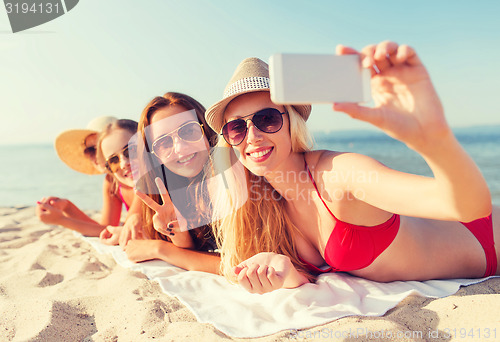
{"points": [[316, 188], [120, 195]]}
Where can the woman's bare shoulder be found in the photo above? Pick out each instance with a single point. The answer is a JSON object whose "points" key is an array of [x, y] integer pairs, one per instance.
{"points": [[326, 160]]}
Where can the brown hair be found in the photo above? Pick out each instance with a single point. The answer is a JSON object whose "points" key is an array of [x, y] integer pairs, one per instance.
{"points": [[200, 235]]}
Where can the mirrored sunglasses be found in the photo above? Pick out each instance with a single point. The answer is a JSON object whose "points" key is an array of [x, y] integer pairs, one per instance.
{"points": [[191, 131]]}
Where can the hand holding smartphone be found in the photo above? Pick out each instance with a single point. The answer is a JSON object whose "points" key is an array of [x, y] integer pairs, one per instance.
{"points": [[305, 79]]}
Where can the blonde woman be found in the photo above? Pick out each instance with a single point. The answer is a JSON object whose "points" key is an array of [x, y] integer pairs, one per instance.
{"points": [[314, 211]]}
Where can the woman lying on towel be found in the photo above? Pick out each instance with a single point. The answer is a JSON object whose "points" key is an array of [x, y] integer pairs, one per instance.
{"points": [[78, 149], [312, 211], [172, 150]]}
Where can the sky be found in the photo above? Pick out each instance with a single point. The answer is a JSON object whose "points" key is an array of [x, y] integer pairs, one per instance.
{"points": [[112, 57]]}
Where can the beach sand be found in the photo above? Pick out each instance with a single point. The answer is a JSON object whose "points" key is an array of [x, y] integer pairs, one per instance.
{"points": [[55, 287]]}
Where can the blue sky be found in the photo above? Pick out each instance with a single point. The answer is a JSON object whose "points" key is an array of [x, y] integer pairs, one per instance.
{"points": [[111, 57]]}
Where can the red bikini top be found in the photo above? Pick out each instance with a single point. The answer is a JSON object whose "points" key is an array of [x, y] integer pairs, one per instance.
{"points": [[351, 247]]}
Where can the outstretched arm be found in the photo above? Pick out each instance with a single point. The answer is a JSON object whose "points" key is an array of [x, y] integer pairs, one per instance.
{"points": [[407, 108], [191, 260], [69, 208], [54, 210], [49, 214]]}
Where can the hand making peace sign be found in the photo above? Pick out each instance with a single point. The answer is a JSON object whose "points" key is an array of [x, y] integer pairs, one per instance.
{"points": [[167, 220]]}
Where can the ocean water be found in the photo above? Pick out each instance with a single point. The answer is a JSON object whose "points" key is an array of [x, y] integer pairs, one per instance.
{"points": [[30, 172]]}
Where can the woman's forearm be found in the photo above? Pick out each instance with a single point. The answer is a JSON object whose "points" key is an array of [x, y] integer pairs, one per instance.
{"points": [[458, 179], [182, 240], [84, 227], [74, 212], [189, 259]]}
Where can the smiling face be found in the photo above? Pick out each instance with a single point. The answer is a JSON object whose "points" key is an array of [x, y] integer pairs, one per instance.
{"points": [[114, 144], [259, 152], [185, 158]]}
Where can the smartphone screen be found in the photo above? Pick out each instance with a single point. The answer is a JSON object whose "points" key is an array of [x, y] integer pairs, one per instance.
{"points": [[305, 79]]}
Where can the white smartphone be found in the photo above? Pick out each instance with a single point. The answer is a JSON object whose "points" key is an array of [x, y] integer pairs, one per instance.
{"points": [[305, 79]]}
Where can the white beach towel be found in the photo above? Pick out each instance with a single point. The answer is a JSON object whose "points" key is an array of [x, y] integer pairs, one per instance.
{"points": [[335, 295]]}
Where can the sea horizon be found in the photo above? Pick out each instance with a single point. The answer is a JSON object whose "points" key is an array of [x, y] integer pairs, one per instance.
{"points": [[35, 171], [317, 133]]}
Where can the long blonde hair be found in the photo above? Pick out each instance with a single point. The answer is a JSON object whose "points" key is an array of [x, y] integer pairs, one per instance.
{"points": [[249, 214]]}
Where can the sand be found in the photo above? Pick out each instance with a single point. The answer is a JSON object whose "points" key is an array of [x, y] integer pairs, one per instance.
{"points": [[55, 287]]}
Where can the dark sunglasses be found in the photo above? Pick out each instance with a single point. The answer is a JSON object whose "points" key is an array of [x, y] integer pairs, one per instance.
{"points": [[268, 120], [190, 132], [89, 152], [113, 162]]}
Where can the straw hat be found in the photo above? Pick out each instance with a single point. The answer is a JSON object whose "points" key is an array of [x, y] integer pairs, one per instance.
{"points": [[251, 75], [71, 144]]}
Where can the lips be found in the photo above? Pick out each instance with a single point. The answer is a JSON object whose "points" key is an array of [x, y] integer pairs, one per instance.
{"points": [[260, 154], [128, 178], [186, 159]]}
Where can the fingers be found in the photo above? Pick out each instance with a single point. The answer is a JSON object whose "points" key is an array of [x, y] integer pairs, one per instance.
{"points": [[163, 192], [367, 60], [159, 224], [237, 269], [169, 229], [50, 200], [110, 235], [407, 54], [40, 207], [257, 278], [45, 200], [49, 214], [45, 206], [245, 281], [125, 236], [385, 55], [131, 250], [345, 50], [358, 112], [148, 200], [378, 57], [142, 250], [105, 236], [173, 227], [39, 210]]}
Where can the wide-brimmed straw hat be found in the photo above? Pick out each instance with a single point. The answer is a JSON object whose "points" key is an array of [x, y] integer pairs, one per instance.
{"points": [[251, 75], [71, 144]]}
